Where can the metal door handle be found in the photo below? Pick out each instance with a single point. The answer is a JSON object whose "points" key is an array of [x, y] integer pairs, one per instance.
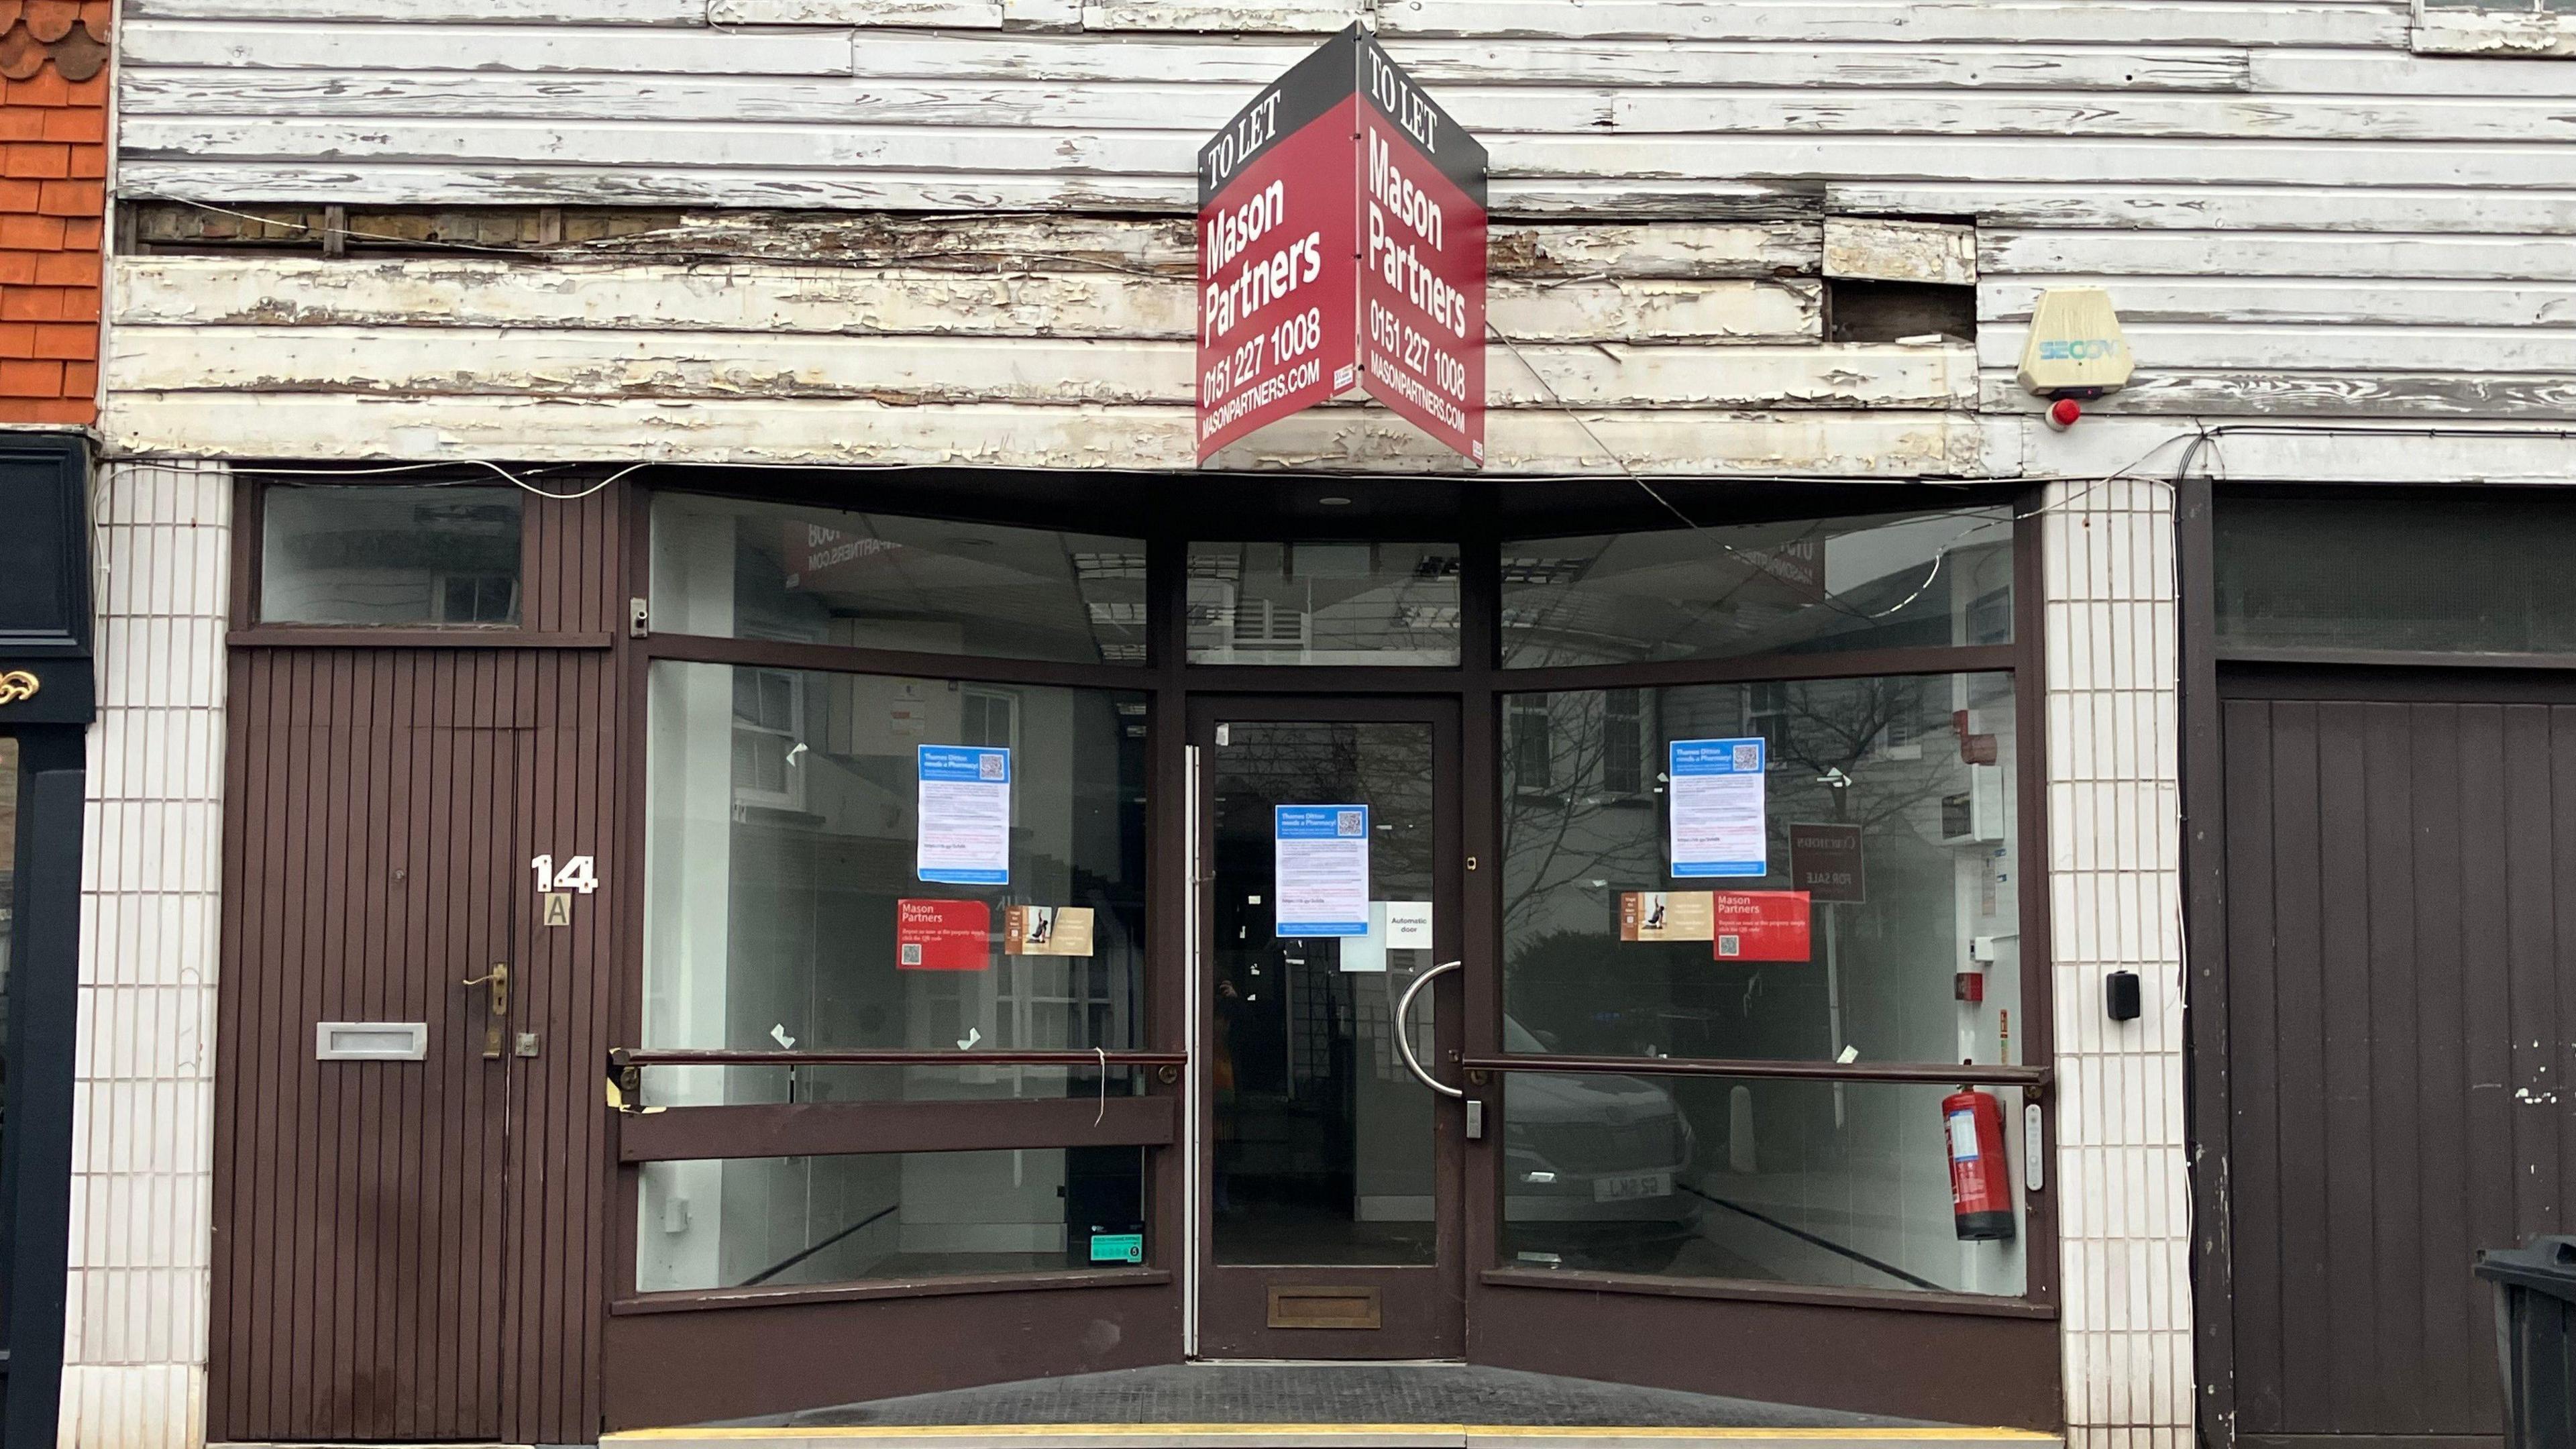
{"points": [[498, 978], [1404, 1030]]}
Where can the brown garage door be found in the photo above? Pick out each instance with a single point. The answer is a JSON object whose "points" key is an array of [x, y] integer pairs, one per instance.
{"points": [[2401, 873]]}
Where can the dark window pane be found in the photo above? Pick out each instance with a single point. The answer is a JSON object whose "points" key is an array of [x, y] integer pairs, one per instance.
{"points": [[1832, 1184], [740, 569], [1623, 757], [1881, 582], [2483, 575], [1323, 603], [1533, 767], [1910, 775], [389, 555], [775, 1222], [8, 873], [1323, 1143]]}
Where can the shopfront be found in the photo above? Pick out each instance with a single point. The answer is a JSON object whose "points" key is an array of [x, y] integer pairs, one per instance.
{"points": [[46, 704], [1039, 923]]}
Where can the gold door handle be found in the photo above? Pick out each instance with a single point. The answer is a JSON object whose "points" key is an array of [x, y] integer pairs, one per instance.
{"points": [[498, 978]]}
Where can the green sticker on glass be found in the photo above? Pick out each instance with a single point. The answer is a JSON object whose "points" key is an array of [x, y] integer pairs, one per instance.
{"points": [[1118, 1247]]}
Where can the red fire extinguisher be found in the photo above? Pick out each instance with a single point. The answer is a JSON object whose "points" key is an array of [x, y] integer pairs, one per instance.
{"points": [[1980, 1171]]}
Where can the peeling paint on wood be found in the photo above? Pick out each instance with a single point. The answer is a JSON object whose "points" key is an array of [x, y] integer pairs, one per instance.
{"points": [[1042, 16], [2237, 253], [1231, 16], [314, 291], [432, 12], [2338, 348], [949, 14], [1900, 251], [1038, 371], [470, 48], [2319, 395], [2323, 209], [852, 152], [2316, 301], [1674, 443], [1490, 109], [2494, 32], [1965, 21]]}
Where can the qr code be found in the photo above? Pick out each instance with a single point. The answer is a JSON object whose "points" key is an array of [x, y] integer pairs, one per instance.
{"points": [[912, 953], [1726, 946], [1748, 758], [1347, 822], [990, 766]]}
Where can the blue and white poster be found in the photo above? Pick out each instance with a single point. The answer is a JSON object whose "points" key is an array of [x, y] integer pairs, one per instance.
{"points": [[1320, 869], [1717, 826], [963, 836]]}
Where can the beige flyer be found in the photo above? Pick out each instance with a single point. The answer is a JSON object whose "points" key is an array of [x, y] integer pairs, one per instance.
{"points": [[1047, 931], [1666, 916]]}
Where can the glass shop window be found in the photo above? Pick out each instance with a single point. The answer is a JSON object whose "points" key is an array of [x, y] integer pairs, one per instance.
{"points": [[1889, 801], [787, 906], [779, 1222], [740, 569], [1776, 1180], [389, 555], [1888, 581], [1323, 603], [2462, 574]]}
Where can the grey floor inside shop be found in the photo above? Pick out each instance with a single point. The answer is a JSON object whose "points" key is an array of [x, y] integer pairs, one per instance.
{"points": [[1327, 1394]]}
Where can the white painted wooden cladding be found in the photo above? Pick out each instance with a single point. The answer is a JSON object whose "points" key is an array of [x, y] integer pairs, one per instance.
{"points": [[2158, 148], [763, 361]]}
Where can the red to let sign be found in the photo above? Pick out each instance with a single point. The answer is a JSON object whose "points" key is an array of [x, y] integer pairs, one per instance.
{"points": [[1341, 248], [1759, 925], [943, 935]]}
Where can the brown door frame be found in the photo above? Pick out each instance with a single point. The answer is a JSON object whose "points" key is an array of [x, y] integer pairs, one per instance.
{"points": [[1423, 1308], [2210, 675]]}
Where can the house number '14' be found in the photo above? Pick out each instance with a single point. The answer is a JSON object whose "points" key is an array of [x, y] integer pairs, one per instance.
{"points": [[578, 874]]}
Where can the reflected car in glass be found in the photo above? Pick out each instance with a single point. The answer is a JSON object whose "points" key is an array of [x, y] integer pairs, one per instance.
{"points": [[1603, 1160]]}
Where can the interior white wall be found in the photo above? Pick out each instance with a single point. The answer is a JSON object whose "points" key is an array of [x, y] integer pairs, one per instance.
{"points": [[688, 809]]}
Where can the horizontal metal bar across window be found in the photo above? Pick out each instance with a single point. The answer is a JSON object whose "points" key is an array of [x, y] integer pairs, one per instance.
{"points": [[1965, 1073], [622, 1057]]}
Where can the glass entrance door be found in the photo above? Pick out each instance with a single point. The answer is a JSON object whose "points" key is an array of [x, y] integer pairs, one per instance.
{"points": [[1329, 1170]]}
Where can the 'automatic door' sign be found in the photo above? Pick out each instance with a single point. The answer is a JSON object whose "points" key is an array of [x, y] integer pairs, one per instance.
{"points": [[1342, 247]]}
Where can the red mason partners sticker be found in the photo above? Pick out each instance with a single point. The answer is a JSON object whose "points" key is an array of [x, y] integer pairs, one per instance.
{"points": [[1341, 189], [942, 935], [1759, 925]]}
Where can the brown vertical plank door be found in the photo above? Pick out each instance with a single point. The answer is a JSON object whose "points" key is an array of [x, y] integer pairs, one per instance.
{"points": [[371, 882], [2400, 871], [411, 1251]]}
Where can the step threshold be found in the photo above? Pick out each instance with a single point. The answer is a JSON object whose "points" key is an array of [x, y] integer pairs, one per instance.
{"points": [[1320, 1436]]}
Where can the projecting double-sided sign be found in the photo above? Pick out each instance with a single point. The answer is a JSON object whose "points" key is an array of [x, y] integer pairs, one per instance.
{"points": [[1342, 246]]}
